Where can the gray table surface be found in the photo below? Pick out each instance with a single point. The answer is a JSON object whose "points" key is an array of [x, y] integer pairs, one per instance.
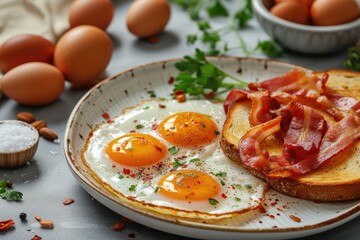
{"points": [[47, 180]]}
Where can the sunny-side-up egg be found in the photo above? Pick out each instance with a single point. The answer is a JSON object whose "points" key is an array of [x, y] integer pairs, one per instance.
{"points": [[166, 156]]}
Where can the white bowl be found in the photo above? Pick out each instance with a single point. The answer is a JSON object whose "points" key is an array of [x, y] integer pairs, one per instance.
{"points": [[305, 38]]}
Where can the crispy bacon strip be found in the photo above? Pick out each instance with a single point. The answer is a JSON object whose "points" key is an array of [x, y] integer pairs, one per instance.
{"points": [[306, 130], [234, 96], [260, 107], [249, 145], [339, 137], [292, 82]]}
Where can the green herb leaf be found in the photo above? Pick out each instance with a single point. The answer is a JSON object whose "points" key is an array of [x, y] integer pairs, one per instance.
{"points": [[151, 93], [9, 195], [198, 75], [244, 15], [132, 188], [195, 160], [221, 174], [237, 199], [217, 10], [173, 150], [352, 61], [178, 163], [139, 126], [213, 201], [191, 38], [269, 48]]}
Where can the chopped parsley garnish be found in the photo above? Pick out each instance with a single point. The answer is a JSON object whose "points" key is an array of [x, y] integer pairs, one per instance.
{"points": [[213, 201], [221, 174], [203, 125], [195, 160], [139, 126], [222, 182], [237, 199], [119, 176], [156, 189], [238, 186], [178, 163], [146, 107], [248, 186], [132, 188], [7, 194], [151, 93], [173, 150]]}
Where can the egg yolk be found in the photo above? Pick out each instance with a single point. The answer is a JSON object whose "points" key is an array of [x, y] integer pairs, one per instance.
{"points": [[136, 149], [188, 185], [188, 129]]}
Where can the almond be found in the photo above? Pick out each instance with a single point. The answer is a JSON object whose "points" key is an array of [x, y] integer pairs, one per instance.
{"points": [[46, 224], [25, 117], [48, 133], [39, 124]]}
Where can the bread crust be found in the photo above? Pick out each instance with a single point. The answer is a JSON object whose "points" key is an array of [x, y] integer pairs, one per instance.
{"points": [[305, 187]]}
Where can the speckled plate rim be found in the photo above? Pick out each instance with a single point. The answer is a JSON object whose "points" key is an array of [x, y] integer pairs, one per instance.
{"points": [[181, 226]]}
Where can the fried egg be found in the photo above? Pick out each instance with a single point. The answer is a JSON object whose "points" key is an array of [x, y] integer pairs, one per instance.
{"points": [[165, 156]]}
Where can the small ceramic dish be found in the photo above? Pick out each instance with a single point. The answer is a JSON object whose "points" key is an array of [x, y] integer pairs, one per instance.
{"points": [[18, 143], [305, 38]]}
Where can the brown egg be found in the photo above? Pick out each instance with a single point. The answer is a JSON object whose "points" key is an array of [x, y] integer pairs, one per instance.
{"points": [[293, 11], [98, 13], [82, 54], [308, 3], [25, 48], [33, 84], [334, 12], [146, 18]]}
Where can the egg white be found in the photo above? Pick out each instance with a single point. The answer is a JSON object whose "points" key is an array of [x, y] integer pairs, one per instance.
{"points": [[240, 191]]}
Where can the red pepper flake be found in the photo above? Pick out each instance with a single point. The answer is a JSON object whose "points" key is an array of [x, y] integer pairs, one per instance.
{"points": [[295, 218], [223, 195], [270, 216], [5, 225], [180, 98], [171, 80], [133, 175], [113, 166], [210, 95], [105, 115], [273, 204], [162, 106], [154, 126], [110, 121], [153, 40], [36, 237], [132, 131], [118, 226], [68, 201], [131, 235], [37, 218], [126, 171]]}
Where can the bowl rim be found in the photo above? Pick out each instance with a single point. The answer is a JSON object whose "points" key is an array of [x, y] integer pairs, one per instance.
{"points": [[264, 12], [33, 144]]}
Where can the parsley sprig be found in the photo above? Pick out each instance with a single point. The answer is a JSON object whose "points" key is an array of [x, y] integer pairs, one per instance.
{"points": [[199, 77], [352, 61], [8, 194], [196, 8], [213, 38]]}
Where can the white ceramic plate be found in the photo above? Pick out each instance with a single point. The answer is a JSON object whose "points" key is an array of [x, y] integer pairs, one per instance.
{"points": [[127, 89]]}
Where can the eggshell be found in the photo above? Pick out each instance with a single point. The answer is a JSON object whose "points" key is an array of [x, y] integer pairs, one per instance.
{"points": [[334, 12], [33, 84], [82, 54], [25, 48], [98, 13], [293, 11], [146, 18]]}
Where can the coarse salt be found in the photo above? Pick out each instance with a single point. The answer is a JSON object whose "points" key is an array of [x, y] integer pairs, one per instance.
{"points": [[16, 137]]}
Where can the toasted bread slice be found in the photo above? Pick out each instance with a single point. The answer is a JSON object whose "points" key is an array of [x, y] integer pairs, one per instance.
{"points": [[336, 180]]}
